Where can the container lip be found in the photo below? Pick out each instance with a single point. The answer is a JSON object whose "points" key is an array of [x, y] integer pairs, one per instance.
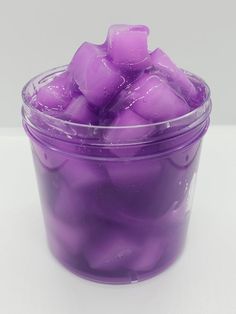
{"points": [[197, 112]]}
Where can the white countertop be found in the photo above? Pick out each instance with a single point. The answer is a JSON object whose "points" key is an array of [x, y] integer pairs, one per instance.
{"points": [[202, 281]]}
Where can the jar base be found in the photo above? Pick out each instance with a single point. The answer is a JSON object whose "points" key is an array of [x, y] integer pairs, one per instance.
{"points": [[135, 277]]}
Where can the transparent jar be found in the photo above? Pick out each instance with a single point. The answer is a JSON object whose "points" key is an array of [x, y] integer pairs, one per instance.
{"points": [[115, 212]]}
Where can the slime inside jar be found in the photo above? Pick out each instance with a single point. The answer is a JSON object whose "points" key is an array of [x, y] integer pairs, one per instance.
{"points": [[116, 213]]}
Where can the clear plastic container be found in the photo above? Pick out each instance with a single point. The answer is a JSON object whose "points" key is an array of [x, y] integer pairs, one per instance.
{"points": [[115, 212]]}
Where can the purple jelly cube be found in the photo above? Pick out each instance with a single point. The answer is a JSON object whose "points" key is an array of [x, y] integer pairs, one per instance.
{"points": [[49, 183], [56, 94], [105, 202], [80, 173], [65, 238], [121, 203], [70, 206], [96, 77], [127, 47], [174, 240], [134, 173], [129, 134], [178, 179], [127, 120], [149, 255], [80, 111], [176, 76], [50, 159], [125, 204], [188, 157], [154, 100], [110, 250], [175, 214]]}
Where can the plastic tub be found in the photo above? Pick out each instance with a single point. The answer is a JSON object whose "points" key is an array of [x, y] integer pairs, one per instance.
{"points": [[116, 204]]}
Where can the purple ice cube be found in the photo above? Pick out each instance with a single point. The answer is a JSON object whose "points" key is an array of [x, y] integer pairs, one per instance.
{"points": [[152, 98], [96, 77], [177, 180], [135, 172], [80, 111], [79, 172], [176, 76], [177, 173], [49, 183], [127, 47], [64, 237], [174, 236], [110, 250], [129, 195], [175, 215], [149, 255], [133, 128], [56, 94], [50, 159], [186, 158], [70, 206], [127, 204], [128, 130]]}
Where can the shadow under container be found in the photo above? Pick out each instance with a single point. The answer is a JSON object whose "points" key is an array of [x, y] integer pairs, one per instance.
{"points": [[115, 212]]}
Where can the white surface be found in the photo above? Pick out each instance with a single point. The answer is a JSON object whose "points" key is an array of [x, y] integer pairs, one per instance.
{"points": [[38, 35], [202, 281]]}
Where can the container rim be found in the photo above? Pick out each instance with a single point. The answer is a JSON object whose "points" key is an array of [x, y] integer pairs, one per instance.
{"points": [[196, 114]]}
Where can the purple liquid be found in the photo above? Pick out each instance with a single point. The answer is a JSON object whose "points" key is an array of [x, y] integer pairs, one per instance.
{"points": [[113, 226]]}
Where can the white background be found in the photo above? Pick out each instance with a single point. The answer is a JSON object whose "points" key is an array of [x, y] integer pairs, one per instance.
{"points": [[37, 35]]}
